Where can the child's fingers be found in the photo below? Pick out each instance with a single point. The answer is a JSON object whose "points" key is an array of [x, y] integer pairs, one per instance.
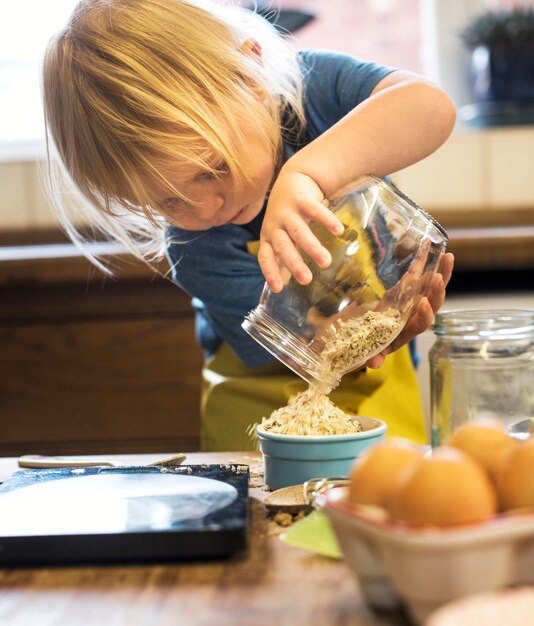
{"points": [[269, 267], [303, 237], [419, 321], [288, 255], [446, 266], [436, 295], [317, 211], [377, 361]]}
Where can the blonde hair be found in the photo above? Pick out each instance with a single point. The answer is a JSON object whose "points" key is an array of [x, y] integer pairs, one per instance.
{"points": [[133, 86]]}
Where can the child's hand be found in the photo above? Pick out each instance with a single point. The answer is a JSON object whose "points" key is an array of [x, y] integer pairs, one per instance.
{"points": [[295, 200], [423, 315]]}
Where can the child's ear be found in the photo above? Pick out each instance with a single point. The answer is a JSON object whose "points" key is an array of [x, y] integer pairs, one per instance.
{"points": [[252, 47]]}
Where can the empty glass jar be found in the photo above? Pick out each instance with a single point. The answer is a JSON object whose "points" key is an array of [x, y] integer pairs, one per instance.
{"points": [[381, 266], [482, 366]]}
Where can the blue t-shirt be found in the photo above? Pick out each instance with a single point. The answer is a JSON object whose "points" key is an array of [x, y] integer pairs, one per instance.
{"points": [[214, 266]]}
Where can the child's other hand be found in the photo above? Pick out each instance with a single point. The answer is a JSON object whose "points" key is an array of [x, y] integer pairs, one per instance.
{"points": [[423, 315], [295, 200]]}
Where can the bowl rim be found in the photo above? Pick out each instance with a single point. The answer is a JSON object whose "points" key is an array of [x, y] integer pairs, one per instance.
{"points": [[377, 428]]}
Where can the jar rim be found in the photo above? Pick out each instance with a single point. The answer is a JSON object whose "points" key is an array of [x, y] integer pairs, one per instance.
{"points": [[485, 323]]}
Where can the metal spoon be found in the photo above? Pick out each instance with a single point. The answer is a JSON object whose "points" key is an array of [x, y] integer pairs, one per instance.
{"points": [[522, 429], [301, 497], [39, 461], [287, 499]]}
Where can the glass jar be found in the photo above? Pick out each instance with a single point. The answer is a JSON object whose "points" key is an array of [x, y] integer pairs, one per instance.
{"points": [[481, 366], [381, 266]]}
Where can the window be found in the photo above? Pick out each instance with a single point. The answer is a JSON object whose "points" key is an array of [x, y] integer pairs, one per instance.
{"points": [[25, 27], [386, 31], [367, 28]]}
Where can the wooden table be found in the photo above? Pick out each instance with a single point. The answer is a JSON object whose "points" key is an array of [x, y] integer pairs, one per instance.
{"points": [[272, 585]]}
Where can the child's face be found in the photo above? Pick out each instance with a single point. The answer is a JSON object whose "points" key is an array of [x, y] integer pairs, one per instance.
{"points": [[216, 201]]}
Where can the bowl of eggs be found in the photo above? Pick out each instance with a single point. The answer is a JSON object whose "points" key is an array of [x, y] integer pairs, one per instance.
{"points": [[420, 530]]}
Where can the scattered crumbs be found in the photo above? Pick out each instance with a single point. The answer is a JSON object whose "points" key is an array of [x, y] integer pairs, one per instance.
{"points": [[79, 470], [185, 469], [226, 466], [204, 465], [241, 469], [256, 483], [256, 471], [284, 519], [274, 530]]}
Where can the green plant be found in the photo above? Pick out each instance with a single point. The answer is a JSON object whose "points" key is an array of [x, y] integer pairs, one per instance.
{"points": [[500, 27]]}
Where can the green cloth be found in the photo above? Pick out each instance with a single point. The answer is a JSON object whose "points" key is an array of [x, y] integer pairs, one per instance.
{"points": [[313, 533]]}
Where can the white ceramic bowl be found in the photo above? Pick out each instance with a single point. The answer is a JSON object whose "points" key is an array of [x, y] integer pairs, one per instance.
{"points": [[425, 567]]}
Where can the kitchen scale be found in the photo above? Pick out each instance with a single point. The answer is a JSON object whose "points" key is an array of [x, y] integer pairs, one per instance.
{"points": [[97, 514]]}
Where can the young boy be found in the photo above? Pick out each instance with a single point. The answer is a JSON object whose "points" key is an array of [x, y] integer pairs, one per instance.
{"points": [[190, 129]]}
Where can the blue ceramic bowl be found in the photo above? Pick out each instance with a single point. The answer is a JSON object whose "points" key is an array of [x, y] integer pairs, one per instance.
{"points": [[294, 459]]}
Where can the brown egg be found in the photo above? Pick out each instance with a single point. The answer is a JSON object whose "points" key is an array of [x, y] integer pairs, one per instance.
{"points": [[515, 481], [486, 441], [375, 471], [446, 488]]}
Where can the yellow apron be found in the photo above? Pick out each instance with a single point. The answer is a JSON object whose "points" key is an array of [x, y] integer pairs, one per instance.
{"points": [[235, 397]]}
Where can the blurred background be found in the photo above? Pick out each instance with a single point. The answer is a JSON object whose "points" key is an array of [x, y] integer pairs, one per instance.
{"points": [[90, 363]]}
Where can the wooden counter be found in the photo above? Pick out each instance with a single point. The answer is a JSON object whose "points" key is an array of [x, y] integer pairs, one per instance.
{"points": [[488, 240], [272, 585], [93, 364]]}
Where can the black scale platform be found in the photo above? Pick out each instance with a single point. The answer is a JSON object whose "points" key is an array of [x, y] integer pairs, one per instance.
{"points": [[97, 514]]}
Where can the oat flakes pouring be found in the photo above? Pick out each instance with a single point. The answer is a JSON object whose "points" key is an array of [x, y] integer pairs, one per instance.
{"points": [[381, 266]]}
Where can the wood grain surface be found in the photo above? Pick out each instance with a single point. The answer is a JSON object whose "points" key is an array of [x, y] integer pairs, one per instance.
{"points": [[272, 585], [91, 364]]}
